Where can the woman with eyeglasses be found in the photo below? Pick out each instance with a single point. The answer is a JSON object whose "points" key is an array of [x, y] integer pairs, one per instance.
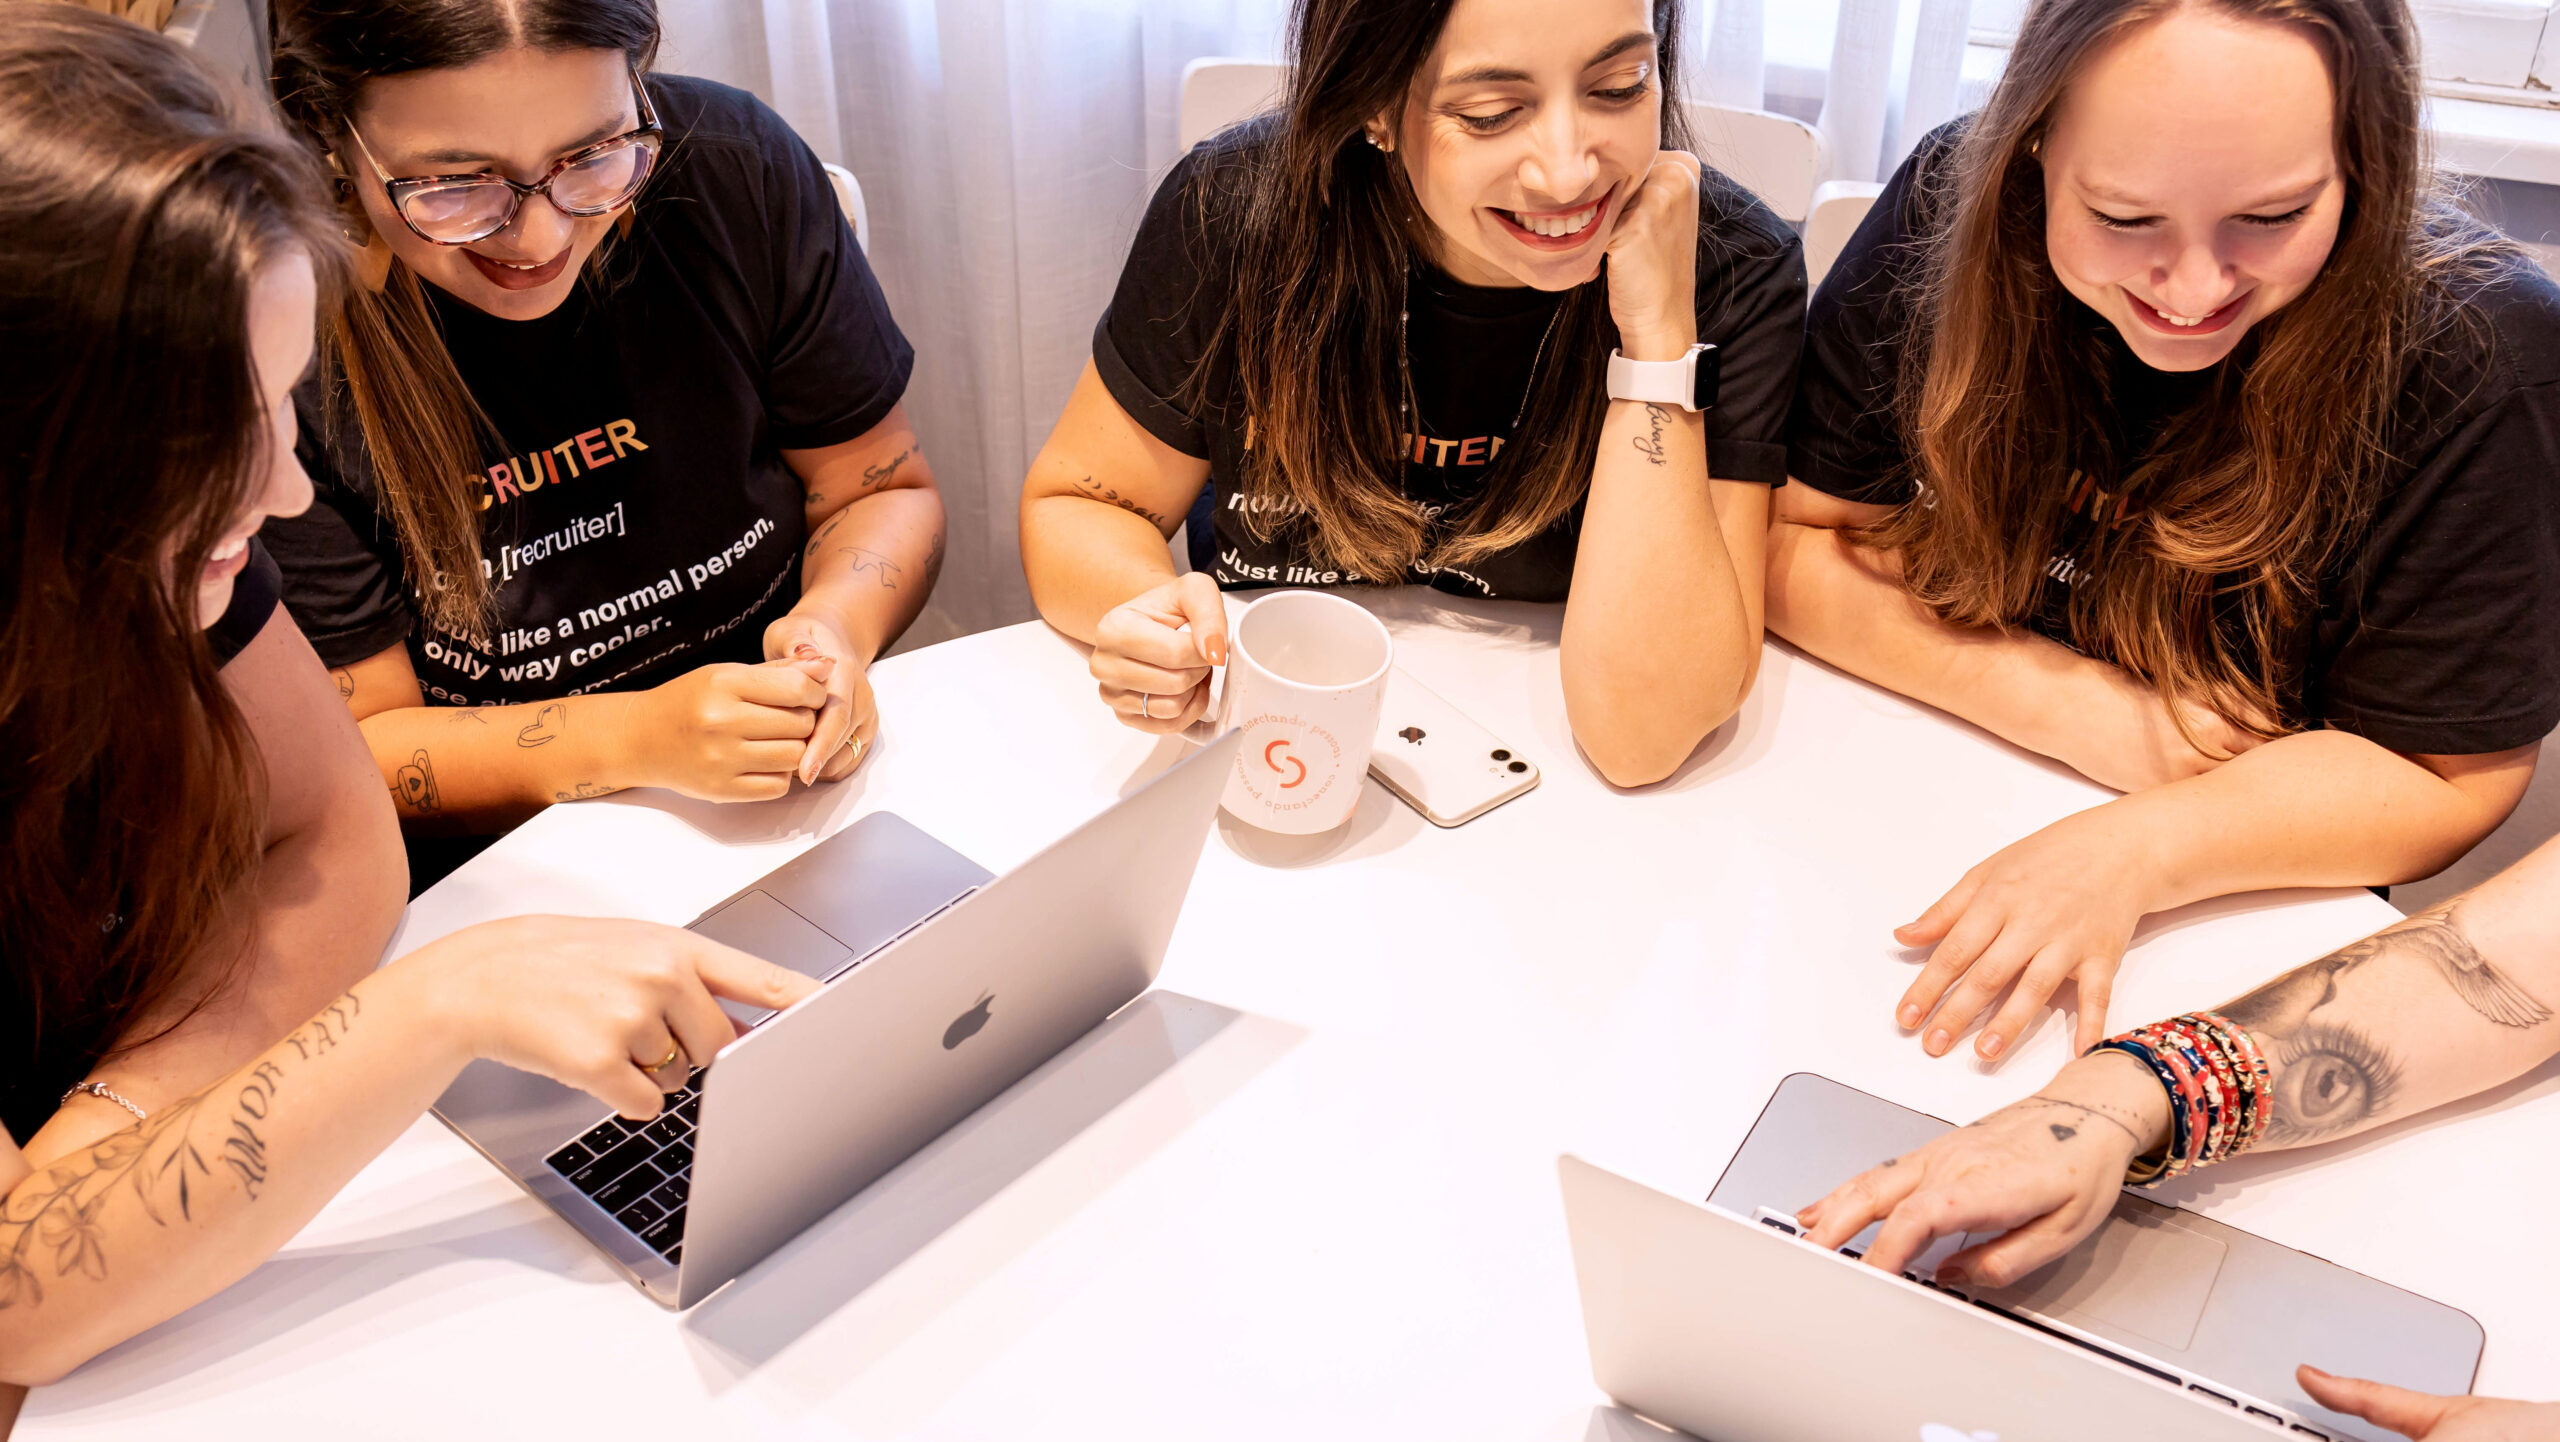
{"points": [[615, 487], [1462, 313], [197, 873], [2168, 419]]}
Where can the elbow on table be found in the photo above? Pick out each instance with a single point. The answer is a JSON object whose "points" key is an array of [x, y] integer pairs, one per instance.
{"points": [[42, 1357], [1631, 754]]}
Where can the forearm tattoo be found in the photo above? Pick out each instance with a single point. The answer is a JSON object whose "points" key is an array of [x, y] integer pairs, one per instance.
{"points": [[874, 477], [879, 565], [55, 1224], [547, 725], [2332, 1076], [1108, 496], [414, 785], [345, 681], [1651, 446], [933, 561]]}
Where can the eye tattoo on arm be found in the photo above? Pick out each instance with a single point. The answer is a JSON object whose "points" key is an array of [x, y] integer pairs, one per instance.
{"points": [[1108, 496], [160, 1166]]}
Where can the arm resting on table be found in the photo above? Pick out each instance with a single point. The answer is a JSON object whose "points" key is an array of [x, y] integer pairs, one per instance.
{"points": [[1103, 497], [1845, 604]]}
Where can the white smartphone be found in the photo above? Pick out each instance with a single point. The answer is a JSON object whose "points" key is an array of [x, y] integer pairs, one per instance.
{"points": [[1443, 764]]}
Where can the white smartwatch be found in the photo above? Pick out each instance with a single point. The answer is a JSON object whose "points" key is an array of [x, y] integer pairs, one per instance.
{"points": [[1689, 382]]}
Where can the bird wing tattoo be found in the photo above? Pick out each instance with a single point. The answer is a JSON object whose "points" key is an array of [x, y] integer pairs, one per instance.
{"points": [[2482, 987]]}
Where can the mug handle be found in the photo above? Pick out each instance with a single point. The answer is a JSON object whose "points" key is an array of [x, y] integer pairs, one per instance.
{"points": [[1213, 721]]}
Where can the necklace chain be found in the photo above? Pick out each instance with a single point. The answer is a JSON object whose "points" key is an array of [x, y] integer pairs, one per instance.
{"points": [[1405, 408]]}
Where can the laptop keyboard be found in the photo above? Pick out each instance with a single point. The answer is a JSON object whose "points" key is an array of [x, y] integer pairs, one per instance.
{"points": [[2273, 1416], [641, 1172]]}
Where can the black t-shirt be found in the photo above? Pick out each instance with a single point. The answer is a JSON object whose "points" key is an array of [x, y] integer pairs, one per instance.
{"points": [[2438, 634], [640, 522], [1473, 352], [30, 1096]]}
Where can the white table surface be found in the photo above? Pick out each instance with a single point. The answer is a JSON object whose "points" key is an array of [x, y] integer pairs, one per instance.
{"points": [[1307, 1188]]}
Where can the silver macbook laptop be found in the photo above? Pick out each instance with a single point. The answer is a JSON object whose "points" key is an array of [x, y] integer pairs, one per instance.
{"points": [[944, 987], [1721, 1321]]}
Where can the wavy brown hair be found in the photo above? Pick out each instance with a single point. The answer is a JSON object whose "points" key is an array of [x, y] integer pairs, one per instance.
{"points": [[139, 199], [422, 428], [2247, 499], [1329, 230]]}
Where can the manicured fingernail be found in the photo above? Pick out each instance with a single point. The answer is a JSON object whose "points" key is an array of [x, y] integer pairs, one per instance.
{"points": [[1909, 1015], [1991, 1043], [1936, 1045]]}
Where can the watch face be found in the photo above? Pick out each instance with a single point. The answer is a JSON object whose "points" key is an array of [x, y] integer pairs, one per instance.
{"points": [[1710, 369]]}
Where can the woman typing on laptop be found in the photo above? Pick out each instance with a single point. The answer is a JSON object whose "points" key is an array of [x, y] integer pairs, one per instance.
{"points": [[1438, 321], [199, 870], [2447, 1004], [2164, 419]]}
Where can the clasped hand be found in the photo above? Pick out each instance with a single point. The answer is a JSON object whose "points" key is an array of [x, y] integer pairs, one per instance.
{"points": [[1154, 654]]}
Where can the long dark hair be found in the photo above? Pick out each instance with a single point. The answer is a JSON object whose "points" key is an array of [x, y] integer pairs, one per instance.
{"points": [[422, 429], [2246, 500], [1329, 229], [138, 201]]}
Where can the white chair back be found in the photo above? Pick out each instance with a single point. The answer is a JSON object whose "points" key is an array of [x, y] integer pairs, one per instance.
{"points": [[849, 200], [1218, 92], [1776, 157]]}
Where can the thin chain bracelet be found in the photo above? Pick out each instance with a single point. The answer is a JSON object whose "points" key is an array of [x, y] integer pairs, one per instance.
{"points": [[100, 1089]]}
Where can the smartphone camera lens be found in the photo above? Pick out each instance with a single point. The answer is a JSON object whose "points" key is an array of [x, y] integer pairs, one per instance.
{"points": [[1501, 755], [1519, 766]]}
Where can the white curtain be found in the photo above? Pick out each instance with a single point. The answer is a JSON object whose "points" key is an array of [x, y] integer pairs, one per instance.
{"points": [[1006, 149]]}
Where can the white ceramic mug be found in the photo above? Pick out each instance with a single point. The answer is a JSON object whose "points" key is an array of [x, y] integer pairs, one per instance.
{"points": [[1306, 677]]}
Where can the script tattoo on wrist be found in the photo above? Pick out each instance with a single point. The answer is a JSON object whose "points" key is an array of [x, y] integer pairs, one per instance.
{"points": [[1650, 446], [414, 785], [60, 1217], [1108, 496], [583, 790]]}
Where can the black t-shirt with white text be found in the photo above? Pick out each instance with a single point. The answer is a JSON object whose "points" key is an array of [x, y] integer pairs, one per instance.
{"points": [[1474, 352], [640, 521], [2439, 632]]}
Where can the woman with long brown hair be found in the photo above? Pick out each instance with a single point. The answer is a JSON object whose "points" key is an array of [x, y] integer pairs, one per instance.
{"points": [[2166, 419], [1455, 316], [615, 484], [193, 891]]}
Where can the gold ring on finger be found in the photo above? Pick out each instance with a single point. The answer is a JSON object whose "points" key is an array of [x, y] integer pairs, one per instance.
{"points": [[674, 1053]]}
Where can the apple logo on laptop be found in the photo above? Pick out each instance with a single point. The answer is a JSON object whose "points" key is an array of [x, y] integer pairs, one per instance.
{"points": [[1941, 1432], [976, 1017]]}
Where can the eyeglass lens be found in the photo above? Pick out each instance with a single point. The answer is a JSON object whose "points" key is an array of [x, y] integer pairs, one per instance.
{"points": [[468, 210]]}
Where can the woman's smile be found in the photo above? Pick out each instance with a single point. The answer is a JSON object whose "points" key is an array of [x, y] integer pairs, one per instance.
{"points": [[520, 275], [2187, 325]]}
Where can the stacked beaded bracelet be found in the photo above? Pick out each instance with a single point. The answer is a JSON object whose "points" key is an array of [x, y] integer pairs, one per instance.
{"points": [[2217, 1081]]}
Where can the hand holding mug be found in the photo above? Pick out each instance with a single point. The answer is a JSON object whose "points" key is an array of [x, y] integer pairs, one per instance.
{"points": [[1154, 654]]}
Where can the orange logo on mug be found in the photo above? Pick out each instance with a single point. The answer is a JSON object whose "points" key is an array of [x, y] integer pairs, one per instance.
{"points": [[1273, 761]]}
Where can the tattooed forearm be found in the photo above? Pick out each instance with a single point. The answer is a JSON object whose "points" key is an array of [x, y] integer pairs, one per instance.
{"points": [[345, 681], [2329, 1078], [547, 725], [1108, 496], [2438, 937], [874, 477], [1650, 446], [872, 561], [414, 785], [56, 1224], [933, 561], [583, 790]]}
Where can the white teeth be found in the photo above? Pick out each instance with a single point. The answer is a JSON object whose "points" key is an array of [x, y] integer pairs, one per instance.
{"points": [[1557, 226], [227, 550]]}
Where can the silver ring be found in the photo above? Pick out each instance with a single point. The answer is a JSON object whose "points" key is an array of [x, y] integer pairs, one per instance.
{"points": [[1147, 706]]}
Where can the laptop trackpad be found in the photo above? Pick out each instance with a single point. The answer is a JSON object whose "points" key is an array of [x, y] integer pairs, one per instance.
{"points": [[761, 926], [2145, 1275]]}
